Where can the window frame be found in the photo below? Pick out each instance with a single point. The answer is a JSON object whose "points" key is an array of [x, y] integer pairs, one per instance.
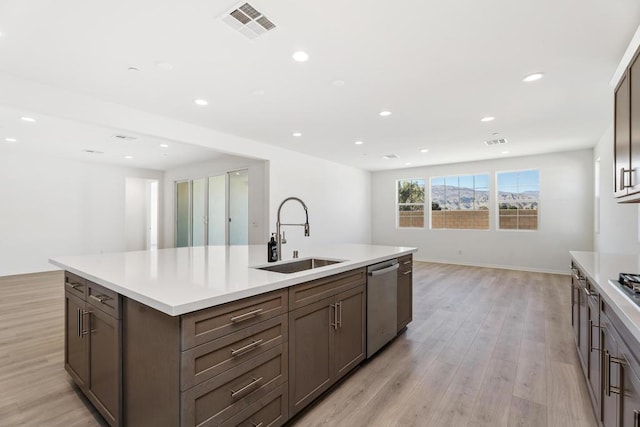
{"points": [[398, 204], [473, 174], [497, 202]]}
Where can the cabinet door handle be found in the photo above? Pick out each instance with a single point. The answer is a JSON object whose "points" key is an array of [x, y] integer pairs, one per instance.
{"points": [[246, 316], [339, 306], [100, 298], [407, 272], [88, 330], [334, 324], [250, 346], [607, 373], [253, 383], [608, 359], [623, 180], [78, 322]]}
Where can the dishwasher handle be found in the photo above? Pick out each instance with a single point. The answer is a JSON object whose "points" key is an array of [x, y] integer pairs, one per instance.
{"points": [[384, 270]]}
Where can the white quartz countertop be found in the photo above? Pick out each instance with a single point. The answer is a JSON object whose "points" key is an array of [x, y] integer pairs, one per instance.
{"points": [[601, 269], [181, 280]]}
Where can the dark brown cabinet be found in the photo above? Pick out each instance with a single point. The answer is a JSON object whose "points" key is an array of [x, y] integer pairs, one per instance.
{"points": [[326, 337], [92, 344], [76, 349], [627, 135], [405, 291]]}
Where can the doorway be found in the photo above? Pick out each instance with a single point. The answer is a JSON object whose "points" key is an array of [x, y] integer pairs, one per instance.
{"points": [[141, 214]]}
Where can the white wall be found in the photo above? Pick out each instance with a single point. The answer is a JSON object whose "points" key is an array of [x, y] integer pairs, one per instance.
{"points": [[338, 198], [135, 214], [52, 207], [565, 216], [618, 231]]}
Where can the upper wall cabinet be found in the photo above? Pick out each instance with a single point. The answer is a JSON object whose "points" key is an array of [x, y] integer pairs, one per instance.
{"points": [[627, 135]]}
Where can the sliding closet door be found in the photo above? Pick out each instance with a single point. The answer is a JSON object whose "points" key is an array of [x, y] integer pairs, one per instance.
{"points": [[198, 212], [239, 207], [183, 214], [217, 210]]}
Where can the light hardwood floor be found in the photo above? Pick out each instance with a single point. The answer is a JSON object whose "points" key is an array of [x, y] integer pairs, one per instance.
{"points": [[486, 347]]}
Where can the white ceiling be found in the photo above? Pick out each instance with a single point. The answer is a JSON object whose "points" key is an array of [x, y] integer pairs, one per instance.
{"points": [[439, 66]]}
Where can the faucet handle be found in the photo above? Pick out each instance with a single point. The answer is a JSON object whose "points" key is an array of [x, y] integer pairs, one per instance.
{"points": [[284, 238]]}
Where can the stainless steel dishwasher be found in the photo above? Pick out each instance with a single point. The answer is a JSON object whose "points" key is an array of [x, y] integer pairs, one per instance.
{"points": [[382, 304]]}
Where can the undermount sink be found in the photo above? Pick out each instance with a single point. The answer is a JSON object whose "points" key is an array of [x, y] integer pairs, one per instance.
{"points": [[300, 265]]}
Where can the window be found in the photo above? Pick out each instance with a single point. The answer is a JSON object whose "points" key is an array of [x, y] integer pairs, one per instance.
{"points": [[460, 202], [411, 203], [518, 197]]}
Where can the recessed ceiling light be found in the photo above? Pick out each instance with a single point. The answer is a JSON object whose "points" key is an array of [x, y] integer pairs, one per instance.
{"points": [[359, 142], [505, 152], [164, 145], [167, 66], [10, 140], [385, 113], [296, 134], [424, 150], [27, 119], [338, 83], [128, 157], [408, 164], [201, 102], [487, 119], [300, 56], [533, 77]]}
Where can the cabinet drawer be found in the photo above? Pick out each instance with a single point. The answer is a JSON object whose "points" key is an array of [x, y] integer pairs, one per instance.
{"points": [[406, 264], [225, 395], [320, 289], [103, 299], [206, 325], [208, 360], [271, 411], [75, 285]]}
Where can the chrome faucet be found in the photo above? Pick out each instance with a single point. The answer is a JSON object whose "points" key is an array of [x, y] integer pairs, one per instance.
{"points": [[279, 225]]}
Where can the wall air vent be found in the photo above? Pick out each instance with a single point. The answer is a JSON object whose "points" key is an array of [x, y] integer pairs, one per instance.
{"points": [[391, 156], [122, 137], [247, 20], [93, 151], [496, 141]]}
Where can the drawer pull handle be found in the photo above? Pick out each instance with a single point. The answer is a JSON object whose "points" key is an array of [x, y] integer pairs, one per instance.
{"points": [[100, 298], [74, 285], [253, 383], [246, 316], [250, 346], [406, 272], [406, 262], [260, 424]]}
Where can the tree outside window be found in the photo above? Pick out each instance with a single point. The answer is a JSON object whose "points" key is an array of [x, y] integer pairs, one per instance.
{"points": [[410, 196]]}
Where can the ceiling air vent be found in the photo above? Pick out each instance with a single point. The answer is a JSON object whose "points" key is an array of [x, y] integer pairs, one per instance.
{"points": [[391, 156], [496, 141], [93, 151], [122, 137], [247, 20]]}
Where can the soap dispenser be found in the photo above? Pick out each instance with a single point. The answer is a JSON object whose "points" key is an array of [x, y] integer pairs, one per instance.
{"points": [[272, 249]]}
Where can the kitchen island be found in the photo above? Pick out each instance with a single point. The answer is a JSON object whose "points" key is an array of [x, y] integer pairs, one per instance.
{"points": [[202, 336]]}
